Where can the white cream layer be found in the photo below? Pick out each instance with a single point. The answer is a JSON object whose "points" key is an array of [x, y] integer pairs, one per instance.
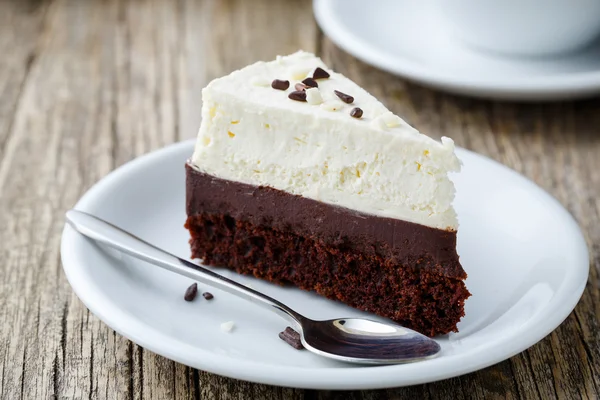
{"points": [[378, 164]]}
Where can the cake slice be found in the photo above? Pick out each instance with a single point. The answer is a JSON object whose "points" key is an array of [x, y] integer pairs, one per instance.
{"points": [[300, 176]]}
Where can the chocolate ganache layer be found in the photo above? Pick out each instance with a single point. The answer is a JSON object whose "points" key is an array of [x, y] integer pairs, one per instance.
{"points": [[397, 242]]}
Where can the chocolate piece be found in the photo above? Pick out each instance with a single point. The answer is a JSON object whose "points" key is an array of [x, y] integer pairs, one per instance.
{"points": [[207, 295], [298, 95], [300, 86], [320, 73], [191, 292], [280, 85], [344, 97], [356, 112], [310, 82], [382, 265], [292, 338]]}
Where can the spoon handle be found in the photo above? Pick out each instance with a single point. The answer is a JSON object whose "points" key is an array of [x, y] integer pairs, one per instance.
{"points": [[112, 236]]}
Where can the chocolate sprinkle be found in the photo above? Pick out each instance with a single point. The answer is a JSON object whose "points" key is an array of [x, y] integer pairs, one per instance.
{"points": [[207, 295], [345, 98], [280, 85], [356, 112], [292, 338], [191, 292], [320, 73], [300, 86], [310, 82], [298, 95]]}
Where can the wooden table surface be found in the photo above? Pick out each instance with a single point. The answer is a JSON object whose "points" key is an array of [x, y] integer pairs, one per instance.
{"points": [[89, 85]]}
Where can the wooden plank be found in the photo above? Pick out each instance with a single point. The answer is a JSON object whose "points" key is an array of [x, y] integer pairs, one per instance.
{"points": [[60, 144], [20, 27]]}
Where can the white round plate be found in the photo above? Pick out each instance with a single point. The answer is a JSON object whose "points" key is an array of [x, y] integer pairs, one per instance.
{"points": [[526, 259], [404, 37]]}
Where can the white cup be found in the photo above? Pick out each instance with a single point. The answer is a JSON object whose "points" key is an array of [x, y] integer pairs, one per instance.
{"points": [[522, 27]]}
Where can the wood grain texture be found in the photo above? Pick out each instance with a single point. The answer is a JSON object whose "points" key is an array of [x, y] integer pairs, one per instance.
{"points": [[89, 85]]}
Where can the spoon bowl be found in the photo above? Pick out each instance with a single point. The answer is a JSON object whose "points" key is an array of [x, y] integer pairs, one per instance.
{"points": [[365, 341], [355, 340]]}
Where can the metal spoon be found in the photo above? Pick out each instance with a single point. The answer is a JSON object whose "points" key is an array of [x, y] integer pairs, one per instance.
{"points": [[355, 340]]}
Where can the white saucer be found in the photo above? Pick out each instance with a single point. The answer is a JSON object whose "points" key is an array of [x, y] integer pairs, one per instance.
{"points": [[404, 37], [526, 259]]}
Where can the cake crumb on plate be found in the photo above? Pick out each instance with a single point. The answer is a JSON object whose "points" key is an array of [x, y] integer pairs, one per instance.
{"points": [[227, 326]]}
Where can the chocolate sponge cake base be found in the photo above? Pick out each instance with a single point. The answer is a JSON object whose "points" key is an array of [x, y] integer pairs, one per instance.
{"points": [[250, 230]]}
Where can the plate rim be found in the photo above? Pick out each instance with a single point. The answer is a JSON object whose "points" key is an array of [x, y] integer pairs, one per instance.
{"points": [[566, 86], [343, 378]]}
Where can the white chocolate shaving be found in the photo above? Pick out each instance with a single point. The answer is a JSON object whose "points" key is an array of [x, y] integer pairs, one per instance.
{"points": [[313, 96], [227, 326]]}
